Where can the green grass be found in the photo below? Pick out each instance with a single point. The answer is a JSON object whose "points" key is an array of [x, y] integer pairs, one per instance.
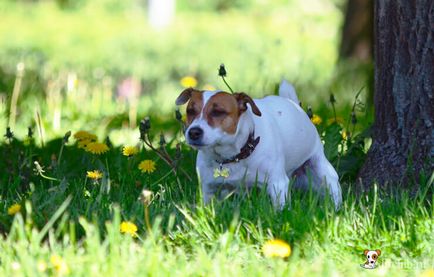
{"points": [[75, 59], [79, 220]]}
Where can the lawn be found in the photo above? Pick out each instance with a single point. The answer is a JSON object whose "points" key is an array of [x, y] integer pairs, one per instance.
{"points": [[123, 197]]}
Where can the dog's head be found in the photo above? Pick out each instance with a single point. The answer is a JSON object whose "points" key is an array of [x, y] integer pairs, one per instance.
{"points": [[213, 116], [372, 256]]}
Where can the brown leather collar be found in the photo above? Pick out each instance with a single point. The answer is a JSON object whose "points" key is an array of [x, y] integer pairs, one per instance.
{"points": [[245, 151]]}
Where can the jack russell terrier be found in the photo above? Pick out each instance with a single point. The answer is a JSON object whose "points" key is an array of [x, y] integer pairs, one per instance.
{"points": [[256, 141]]}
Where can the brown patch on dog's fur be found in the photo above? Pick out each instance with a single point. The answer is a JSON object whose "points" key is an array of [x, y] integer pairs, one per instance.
{"points": [[194, 106], [222, 111], [243, 99], [194, 98]]}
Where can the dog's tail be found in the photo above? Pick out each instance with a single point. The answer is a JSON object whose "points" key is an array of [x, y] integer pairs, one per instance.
{"points": [[287, 90]]}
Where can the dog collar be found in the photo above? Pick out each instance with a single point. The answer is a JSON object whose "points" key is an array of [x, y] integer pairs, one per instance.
{"points": [[245, 151]]}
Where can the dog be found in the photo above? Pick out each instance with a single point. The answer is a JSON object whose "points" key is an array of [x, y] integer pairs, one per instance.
{"points": [[371, 258], [256, 141]]}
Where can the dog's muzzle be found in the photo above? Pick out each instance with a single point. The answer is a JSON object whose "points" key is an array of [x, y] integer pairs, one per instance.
{"points": [[195, 135]]}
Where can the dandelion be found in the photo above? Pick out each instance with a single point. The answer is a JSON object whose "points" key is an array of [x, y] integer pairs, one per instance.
{"points": [[94, 175], [188, 82], [316, 120], [96, 148], [145, 125], [127, 227], [224, 172], [345, 135], [14, 209], [146, 197], [83, 135], [29, 132], [28, 141], [309, 112], [9, 134], [276, 248], [353, 118], [222, 70], [82, 144], [147, 166], [59, 265], [129, 151]]}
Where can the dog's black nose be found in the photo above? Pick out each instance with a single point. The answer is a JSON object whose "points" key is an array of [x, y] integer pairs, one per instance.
{"points": [[372, 262], [195, 133]]}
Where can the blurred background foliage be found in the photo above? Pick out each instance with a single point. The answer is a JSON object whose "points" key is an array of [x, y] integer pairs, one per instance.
{"points": [[101, 65]]}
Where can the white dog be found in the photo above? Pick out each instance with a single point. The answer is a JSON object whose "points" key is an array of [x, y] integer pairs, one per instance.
{"points": [[264, 141]]}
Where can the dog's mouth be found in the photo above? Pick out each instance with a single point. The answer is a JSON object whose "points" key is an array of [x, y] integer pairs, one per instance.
{"points": [[197, 144]]}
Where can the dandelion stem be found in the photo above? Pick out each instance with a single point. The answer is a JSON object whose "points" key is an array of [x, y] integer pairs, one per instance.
{"points": [[224, 80], [15, 94], [147, 221], [60, 154]]}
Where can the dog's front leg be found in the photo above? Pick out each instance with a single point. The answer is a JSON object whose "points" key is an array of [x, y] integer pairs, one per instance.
{"points": [[208, 192], [278, 191]]}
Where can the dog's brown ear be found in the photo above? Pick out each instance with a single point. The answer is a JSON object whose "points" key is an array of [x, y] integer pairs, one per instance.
{"points": [[243, 99], [378, 252], [184, 96], [366, 252]]}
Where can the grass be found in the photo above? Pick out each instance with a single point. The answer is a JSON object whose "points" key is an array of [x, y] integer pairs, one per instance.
{"points": [[69, 224], [72, 223]]}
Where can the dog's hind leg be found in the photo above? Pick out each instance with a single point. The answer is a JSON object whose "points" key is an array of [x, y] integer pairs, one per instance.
{"points": [[325, 177]]}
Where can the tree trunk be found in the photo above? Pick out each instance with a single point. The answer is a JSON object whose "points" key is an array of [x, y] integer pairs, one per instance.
{"points": [[403, 132], [357, 30]]}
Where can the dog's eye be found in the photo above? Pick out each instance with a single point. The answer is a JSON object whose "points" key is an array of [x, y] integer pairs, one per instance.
{"points": [[374, 257], [217, 113], [369, 256]]}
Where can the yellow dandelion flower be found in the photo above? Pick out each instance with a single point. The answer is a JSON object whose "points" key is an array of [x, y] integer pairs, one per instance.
{"points": [[28, 141], [83, 135], [59, 265], [208, 87], [95, 174], [427, 273], [316, 120], [83, 143], [147, 166], [96, 148], [129, 151], [188, 81], [41, 266], [127, 227], [345, 135], [14, 209], [276, 248]]}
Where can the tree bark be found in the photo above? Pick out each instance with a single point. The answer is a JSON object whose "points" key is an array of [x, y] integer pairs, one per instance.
{"points": [[403, 132]]}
